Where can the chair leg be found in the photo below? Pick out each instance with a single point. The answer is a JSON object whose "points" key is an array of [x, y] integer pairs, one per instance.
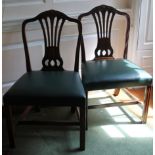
{"points": [[73, 109], [116, 92], [9, 121], [86, 110], [146, 103], [28, 109], [25, 112], [82, 127]]}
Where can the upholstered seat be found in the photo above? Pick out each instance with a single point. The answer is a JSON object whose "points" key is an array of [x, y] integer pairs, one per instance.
{"points": [[63, 88], [116, 73]]}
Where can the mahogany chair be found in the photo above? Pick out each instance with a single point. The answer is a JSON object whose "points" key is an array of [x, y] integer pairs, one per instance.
{"points": [[106, 72], [52, 85]]}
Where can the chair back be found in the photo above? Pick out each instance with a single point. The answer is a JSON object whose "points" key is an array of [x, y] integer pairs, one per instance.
{"points": [[51, 22], [103, 17]]}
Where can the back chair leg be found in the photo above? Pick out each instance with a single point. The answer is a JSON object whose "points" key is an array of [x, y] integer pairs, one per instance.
{"points": [[82, 127], [9, 121], [146, 103], [25, 112], [116, 92], [73, 109]]}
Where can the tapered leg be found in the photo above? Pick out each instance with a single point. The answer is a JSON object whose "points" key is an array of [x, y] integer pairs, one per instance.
{"points": [[73, 109], [9, 121], [86, 110], [116, 92], [25, 112], [146, 103], [82, 127]]}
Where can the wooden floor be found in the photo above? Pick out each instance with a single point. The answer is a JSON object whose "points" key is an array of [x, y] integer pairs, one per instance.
{"points": [[140, 94]]}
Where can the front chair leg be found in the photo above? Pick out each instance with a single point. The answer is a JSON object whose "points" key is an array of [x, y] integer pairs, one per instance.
{"points": [[9, 121], [146, 103], [82, 127], [86, 110]]}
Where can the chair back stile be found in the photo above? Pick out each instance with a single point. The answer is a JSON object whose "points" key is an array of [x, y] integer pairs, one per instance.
{"points": [[103, 18], [51, 22]]}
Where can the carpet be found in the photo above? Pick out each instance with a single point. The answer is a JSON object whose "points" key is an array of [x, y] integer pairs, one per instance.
{"points": [[111, 131]]}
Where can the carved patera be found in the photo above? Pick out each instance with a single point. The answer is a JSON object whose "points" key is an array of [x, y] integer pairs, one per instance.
{"points": [[52, 59]]}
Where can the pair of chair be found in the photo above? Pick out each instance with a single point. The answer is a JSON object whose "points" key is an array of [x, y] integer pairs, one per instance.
{"points": [[55, 86]]}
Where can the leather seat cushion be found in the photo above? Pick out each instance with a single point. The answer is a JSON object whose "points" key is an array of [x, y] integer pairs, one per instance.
{"points": [[47, 87], [108, 74]]}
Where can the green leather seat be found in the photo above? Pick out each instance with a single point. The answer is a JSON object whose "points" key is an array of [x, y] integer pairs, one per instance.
{"points": [[108, 74], [42, 87]]}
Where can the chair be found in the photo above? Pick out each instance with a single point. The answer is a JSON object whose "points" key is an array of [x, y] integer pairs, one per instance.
{"points": [[106, 72], [52, 85]]}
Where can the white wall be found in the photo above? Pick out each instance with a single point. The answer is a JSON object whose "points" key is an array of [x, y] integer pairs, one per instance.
{"points": [[144, 49], [15, 11]]}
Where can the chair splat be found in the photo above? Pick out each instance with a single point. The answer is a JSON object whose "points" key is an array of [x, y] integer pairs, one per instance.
{"points": [[52, 59], [52, 27], [103, 20], [103, 16]]}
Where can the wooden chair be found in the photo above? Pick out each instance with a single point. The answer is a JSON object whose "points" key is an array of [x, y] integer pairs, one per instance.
{"points": [[52, 85], [106, 72]]}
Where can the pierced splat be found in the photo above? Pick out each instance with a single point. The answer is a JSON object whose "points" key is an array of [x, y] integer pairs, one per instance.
{"points": [[103, 20], [51, 22], [52, 59], [52, 27], [103, 16], [103, 48]]}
